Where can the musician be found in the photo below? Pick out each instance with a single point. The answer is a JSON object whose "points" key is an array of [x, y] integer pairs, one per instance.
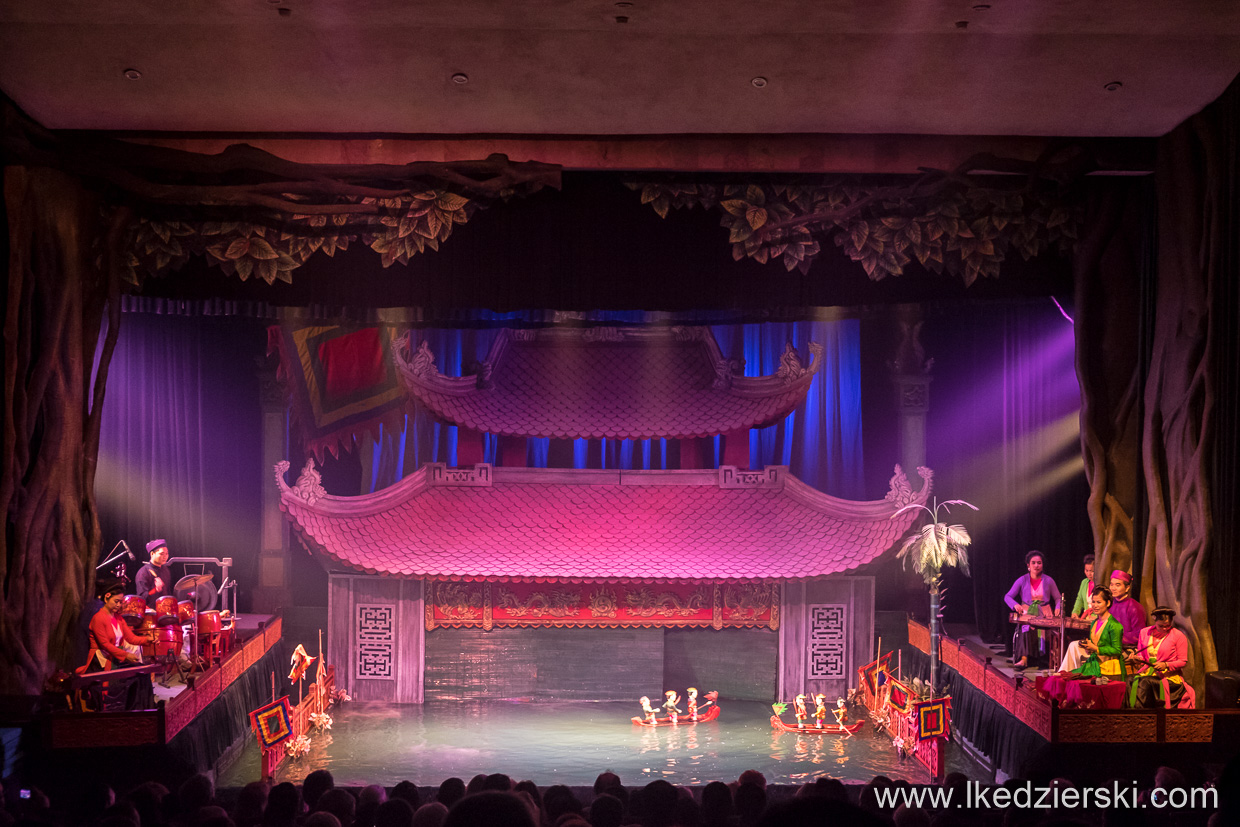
{"points": [[1128, 611], [154, 579], [1081, 607], [1158, 663], [108, 633], [1104, 644], [1028, 595]]}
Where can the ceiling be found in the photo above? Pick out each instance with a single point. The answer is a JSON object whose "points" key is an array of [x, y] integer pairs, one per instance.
{"points": [[600, 67]]}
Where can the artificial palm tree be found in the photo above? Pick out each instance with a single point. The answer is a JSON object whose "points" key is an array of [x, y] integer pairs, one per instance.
{"points": [[934, 546]]}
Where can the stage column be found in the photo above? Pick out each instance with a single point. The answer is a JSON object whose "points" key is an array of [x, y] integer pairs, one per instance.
{"points": [[272, 589], [910, 371]]}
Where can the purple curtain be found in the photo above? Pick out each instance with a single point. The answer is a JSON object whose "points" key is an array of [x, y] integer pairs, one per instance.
{"points": [[180, 443], [1003, 433]]}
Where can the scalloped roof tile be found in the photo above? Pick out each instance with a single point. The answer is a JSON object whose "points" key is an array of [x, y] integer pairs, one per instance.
{"points": [[614, 383], [443, 523]]}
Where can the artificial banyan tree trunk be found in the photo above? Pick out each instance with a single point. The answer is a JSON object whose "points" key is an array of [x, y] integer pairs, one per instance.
{"points": [[55, 306]]}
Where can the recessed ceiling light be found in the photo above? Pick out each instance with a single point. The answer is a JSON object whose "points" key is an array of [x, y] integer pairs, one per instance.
{"points": [[131, 74], [623, 4], [981, 7], [759, 82], [1113, 86], [962, 24], [460, 78]]}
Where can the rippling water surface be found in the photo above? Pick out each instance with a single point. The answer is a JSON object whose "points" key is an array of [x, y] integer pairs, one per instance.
{"points": [[572, 743]]}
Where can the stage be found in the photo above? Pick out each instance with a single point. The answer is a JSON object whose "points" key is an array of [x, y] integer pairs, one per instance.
{"points": [[571, 743]]}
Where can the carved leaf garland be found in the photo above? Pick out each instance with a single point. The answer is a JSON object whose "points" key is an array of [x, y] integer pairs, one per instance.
{"points": [[953, 225]]}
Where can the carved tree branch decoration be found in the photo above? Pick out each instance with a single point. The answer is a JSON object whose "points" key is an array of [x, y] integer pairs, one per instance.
{"points": [[954, 221]]}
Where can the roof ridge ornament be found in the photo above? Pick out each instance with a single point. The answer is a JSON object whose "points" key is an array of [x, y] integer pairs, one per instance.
{"points": [[423, 361], [603, 334], [308, 488], [725, 369], [902, 494], [790, 367]]}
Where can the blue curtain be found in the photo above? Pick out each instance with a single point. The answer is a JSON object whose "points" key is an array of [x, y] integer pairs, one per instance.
{"points": [[820, 441]]}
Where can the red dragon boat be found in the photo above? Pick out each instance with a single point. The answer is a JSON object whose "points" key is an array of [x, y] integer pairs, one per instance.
{"points": [[812, 729], [709, 715]]}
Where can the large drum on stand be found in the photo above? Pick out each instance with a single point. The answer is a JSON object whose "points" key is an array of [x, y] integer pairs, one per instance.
{"points": [[166, 611], [168, 642]]}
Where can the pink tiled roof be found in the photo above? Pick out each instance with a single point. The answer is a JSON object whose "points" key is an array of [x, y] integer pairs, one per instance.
{"points": [[615, 383], [554, 524]]}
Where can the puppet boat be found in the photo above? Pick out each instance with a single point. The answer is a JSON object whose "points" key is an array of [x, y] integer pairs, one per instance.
{"points": [[709, 714], [826, 729]]}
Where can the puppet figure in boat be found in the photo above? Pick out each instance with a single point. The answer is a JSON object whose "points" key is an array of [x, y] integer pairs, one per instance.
{"points": [[669, 706], [840, 727], [692, 702], [708, 711], [820, 710]]}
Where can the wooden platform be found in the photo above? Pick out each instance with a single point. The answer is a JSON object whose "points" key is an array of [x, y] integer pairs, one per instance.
{"points": [[1014, 691], [173, 712]]}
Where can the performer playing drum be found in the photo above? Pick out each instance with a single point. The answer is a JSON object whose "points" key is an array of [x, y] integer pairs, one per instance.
{"points": [[154, 579]]}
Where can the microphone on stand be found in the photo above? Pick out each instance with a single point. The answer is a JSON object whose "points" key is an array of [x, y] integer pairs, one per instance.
{"points": [[128, 551]]}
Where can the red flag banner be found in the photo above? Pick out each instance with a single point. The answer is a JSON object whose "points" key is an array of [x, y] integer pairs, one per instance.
{"points": [[340, 381], [272, 723]]}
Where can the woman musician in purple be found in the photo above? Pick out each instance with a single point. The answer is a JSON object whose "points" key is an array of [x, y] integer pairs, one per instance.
{"points": [[1031, 594]]}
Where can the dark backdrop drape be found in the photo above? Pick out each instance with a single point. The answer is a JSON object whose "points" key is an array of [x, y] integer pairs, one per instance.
{"points": [[1002, 433]]}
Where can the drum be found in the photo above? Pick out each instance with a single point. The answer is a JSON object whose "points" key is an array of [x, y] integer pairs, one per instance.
{"points": [[133, 610], [185, 611], [166, 606], [147, 625], [168, 641], [209, 622]]}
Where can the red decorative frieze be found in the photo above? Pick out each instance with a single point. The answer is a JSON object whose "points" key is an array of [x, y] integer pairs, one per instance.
{"points": [[1000, 688], [1195, 727], [949, 652], [1033, 712], [972, 669], [919, 636], [518, 603], [1104, 728]]}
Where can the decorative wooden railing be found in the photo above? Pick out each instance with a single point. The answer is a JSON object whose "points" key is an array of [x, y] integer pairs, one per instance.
{"points": [[317, 699]]}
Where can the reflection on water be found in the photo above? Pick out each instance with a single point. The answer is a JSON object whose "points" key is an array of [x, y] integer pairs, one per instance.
{"points": [[571, 743]]}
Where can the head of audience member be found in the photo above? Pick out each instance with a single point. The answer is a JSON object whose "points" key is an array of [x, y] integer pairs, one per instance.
{"points": [[559, 800], [450, 791], [869, 793], [372, 794], [752, 777], [489, 807], [408, 791], [498, 782], [251, 802], [120, 814], [824, 787], [431, 814], [195, 793], [530, 789], [148, 798], [750, 802], [316, 783], [397, 812], [340, 803], [815, 811], [283, 805], [717, 803], [606, 811], [475, 784], [605, 781], [906, 816], [213, 815], [322, 818], [1121, 582]]}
